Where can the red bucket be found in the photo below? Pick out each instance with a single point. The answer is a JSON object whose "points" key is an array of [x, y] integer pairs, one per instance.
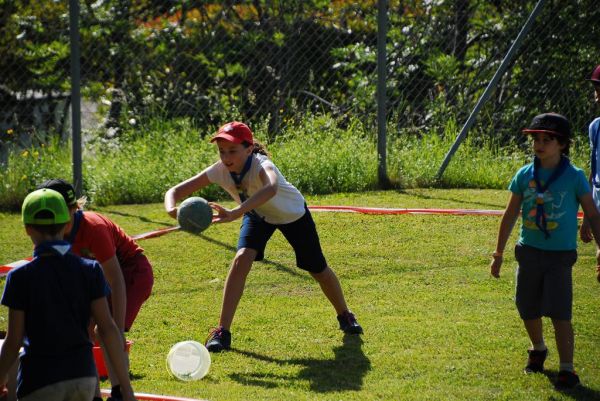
{"points": [[99, 358]]}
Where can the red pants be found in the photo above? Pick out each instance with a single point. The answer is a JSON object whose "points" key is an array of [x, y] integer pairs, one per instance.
{"points": [[139, 279]]}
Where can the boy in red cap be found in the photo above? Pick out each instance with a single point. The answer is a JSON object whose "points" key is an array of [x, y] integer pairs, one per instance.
{"points": [[594, 136], [266, 202], [547, 193]]}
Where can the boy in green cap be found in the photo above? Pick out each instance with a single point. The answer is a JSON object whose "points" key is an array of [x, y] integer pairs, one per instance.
{"points": [[51, 300]]}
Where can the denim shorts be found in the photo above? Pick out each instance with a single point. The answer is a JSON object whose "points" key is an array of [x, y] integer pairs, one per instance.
{"points": [[301, 234], [544, 283]]}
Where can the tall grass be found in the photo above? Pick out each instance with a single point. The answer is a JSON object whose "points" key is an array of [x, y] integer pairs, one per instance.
{"points": [[319, 157], [28, 167]]}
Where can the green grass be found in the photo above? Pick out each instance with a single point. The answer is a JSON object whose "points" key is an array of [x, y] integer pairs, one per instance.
{"points": [[437, 326]]}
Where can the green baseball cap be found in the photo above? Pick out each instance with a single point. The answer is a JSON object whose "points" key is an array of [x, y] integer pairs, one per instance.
{"points": [[45, 207]]}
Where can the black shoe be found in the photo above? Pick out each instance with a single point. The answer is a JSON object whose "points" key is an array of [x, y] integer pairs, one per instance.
{"points": [[218, 340], [348, 323], [566, 380], [115, 394], [535, 362]]}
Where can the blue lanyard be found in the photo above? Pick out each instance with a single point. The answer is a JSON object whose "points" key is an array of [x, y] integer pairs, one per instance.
{"points": [[237, 178], [76, 222], [540, 215]]}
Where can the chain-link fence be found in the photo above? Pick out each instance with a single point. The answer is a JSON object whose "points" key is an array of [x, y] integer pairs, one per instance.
{"points": [[271, 62]]}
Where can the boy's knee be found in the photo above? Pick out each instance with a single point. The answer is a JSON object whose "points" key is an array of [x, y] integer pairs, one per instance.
{"points": [[323, 274], [243, 260]]}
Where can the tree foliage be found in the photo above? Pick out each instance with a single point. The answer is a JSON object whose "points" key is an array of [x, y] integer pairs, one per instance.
{"points": [[276, 60]]}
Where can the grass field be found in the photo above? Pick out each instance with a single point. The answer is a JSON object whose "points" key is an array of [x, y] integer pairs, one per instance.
{"points": [[437, 326]]}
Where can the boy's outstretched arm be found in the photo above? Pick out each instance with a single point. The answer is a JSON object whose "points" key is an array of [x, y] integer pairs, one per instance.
{"points": [[182, 190], [114, 345], [12, 343], [592, 216], [509, 218]]}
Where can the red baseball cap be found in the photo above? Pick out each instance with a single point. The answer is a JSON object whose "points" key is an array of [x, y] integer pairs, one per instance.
{"points": [[235, 132], [595, 78]]}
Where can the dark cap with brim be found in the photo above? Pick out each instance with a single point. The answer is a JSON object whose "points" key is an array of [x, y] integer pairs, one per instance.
{"points": [[62, 187], [549, 123]]}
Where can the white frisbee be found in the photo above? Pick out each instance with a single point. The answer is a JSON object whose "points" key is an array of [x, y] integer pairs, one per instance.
{"points": [[188, 360]]}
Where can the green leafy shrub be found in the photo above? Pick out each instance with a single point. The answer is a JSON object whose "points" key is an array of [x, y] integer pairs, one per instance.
{"points": [[317, 156]]}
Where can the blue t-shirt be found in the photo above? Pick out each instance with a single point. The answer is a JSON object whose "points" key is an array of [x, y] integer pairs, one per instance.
{"points": [[55, 291], [561, 204]]}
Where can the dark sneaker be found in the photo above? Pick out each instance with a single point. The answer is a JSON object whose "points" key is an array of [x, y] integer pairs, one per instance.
{"points": [[348, 323], [535, 362], [115, 394], [218, 340], [566, 380]]}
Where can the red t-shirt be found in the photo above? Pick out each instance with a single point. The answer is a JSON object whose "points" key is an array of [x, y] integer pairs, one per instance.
{"points": [[99, 238]]}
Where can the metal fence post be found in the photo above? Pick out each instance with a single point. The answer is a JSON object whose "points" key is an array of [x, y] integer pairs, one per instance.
{"points": [[491, 86], [382, 27], [75, 95]]}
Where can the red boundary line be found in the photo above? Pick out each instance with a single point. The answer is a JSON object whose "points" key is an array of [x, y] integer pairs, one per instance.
{"points": [[343, 209], [154, 397]]}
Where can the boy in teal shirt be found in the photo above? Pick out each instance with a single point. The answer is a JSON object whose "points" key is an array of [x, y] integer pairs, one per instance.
{"points": [[547, 194]]}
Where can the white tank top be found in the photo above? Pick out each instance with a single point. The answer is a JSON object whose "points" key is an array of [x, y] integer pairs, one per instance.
{"points": [[285, 207]]}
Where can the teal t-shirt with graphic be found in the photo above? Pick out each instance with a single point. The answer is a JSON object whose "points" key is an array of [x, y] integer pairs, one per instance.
{"points": [[561, 204]]}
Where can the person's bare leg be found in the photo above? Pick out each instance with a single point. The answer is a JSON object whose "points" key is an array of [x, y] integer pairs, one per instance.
{"points": [[534, 329], [234, 285], [330, 285], [565, 340]]}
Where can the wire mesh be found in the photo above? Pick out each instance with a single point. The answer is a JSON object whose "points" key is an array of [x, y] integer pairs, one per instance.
{"points": [[273, 63]]}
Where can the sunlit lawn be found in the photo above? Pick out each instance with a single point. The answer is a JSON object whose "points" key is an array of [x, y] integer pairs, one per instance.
{"points": [[437, 326]]}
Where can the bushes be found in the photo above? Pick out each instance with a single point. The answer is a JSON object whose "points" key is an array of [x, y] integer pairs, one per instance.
{"points": [[318, 157], [29, 167]]}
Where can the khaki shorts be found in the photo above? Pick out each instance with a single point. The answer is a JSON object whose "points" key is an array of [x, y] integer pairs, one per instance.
{"points": [[80, 389]]}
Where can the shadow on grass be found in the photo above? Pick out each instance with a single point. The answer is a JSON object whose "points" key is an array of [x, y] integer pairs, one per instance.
{"points": [[132, 376], [140, 218], [579, 393], [487, 205], [345, 372], [278, 266]]}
